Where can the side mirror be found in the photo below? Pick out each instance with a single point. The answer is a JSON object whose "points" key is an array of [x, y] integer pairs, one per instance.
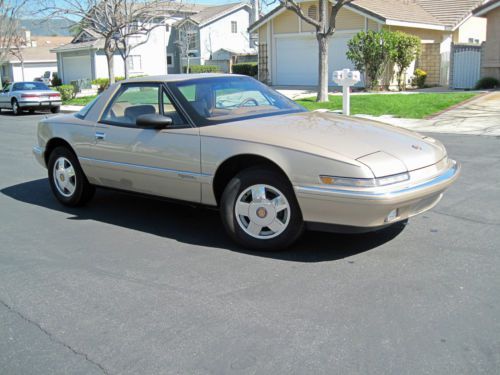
{"points": [[153, 121]]}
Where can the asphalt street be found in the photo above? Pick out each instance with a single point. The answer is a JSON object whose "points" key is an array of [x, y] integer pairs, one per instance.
{"points": [[130, 285]]}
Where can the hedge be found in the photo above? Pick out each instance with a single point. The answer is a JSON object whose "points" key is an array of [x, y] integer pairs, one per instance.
{"points": [[201, 69], [248, 69], [67, 92], [487, 83]]}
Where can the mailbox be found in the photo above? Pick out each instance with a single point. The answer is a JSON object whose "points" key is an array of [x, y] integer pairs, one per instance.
{"points": [[346, 78]]}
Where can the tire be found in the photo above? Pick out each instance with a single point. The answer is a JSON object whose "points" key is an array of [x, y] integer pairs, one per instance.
{"points": [[55, 109], [67, 180], [16, 110], [255, 192], [31, 111]]}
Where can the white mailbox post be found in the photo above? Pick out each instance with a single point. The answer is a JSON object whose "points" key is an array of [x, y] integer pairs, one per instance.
{"points": [[346, 78]]}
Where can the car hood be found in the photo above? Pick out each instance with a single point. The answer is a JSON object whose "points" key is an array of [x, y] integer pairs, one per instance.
{"points": [[338, 137]]}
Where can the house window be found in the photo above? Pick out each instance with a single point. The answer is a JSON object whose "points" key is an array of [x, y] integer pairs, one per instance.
{"points": [[191, 39], [170, 60], [134, 63], [312, 12], [234, 27]]}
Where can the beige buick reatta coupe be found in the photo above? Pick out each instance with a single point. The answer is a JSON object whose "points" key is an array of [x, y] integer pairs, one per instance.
{"points": [[228, 141]]}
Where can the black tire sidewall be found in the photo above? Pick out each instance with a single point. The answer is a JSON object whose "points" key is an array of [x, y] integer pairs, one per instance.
{"points": [[55, 109], [83, 190], [256, 176], [18, 112]]}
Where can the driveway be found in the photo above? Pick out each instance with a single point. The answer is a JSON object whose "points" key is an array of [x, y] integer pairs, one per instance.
{"points": [[480, 116], [129, 285]]}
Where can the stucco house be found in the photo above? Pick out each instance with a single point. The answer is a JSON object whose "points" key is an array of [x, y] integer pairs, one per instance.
{"points": [[33, 59], [216, 28], [288, 51], [490, 66], [84, 58]]}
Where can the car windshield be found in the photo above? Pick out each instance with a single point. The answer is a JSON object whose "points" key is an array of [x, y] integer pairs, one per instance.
{"points": [[221, 99], [29, 86]]}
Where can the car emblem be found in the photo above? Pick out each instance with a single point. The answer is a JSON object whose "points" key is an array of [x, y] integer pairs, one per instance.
{"points": [[417, 147]]}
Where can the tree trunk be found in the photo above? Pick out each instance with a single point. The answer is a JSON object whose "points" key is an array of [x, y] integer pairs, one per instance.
{"points": [[111, 67], [125, 67], [323, 68], [22, 68]]}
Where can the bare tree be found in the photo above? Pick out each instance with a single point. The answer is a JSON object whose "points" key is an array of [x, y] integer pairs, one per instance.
{"points": [[186, 42], [109, 19], [16, 48], [325, 27], [9, 13], [137, 20]]}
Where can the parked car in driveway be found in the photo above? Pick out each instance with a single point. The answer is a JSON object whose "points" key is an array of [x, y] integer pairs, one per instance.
{"points": [[229, 141], [29, 96]]}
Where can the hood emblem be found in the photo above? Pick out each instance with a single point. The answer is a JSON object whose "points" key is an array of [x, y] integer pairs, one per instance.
{"points": [[417, 147]]}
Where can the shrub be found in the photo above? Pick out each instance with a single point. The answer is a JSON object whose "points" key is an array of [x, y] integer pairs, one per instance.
{"points": [[5, 82], [201, 69], [487, 83], [67, 92], [419, 78], [56, 81], [248, 69], [403, 50], [103, 83], [369, 52]]}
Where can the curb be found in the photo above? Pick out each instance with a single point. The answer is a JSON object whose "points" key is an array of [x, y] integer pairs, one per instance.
{"points": [[477, 97]]}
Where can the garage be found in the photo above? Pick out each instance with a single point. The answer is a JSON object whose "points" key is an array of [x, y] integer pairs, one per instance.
{"points": [[297, 59], [76, 67]]}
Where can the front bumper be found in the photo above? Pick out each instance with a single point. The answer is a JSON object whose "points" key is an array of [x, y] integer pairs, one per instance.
{"points": [[39, 153], [358, 208]]}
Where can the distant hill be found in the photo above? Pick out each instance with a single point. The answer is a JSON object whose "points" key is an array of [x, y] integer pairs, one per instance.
{"points": [[47, 27]]}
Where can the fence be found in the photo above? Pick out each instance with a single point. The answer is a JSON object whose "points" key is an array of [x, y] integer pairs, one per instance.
{"points": [[465, 69]]}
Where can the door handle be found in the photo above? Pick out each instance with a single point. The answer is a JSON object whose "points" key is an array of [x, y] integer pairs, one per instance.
{"points": [[100, 135]]}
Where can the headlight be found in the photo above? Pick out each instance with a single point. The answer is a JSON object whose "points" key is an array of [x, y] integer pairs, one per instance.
{"points": [[364, 182]]}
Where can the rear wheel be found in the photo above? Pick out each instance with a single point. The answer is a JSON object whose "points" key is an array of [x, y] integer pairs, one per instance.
{"points": [[67, 180], [259, 210], [15, 108], [55, 109]]}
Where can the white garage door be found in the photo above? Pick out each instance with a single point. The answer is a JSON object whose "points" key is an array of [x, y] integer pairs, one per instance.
{"points": [[297, 59], [76, 67]]}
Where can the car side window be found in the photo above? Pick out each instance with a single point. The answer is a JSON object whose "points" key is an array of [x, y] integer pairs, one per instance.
{"points": [[170, 111], [131, 102]]}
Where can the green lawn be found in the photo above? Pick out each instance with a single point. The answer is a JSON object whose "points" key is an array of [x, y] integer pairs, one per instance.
{"points": [[399, 105], [84, 100]]}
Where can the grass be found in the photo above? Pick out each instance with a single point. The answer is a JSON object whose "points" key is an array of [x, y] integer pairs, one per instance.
{"points": [[84, 100], [399, 105], [416, 106]]}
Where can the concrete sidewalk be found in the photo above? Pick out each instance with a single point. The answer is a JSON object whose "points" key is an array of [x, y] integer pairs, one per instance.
{"points": [[480, 116]]}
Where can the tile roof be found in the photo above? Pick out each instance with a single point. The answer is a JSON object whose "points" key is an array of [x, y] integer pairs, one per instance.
{"points": [[449, 12], [399, 10], [444, 13], [210, 13], [43, 49]]}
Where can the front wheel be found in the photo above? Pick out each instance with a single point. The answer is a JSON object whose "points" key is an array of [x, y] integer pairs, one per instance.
{"points": [[55, 109], [259, 210], [67, 180]]}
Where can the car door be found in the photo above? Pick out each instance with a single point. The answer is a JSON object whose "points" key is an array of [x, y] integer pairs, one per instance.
{"points": [[5, 97], [163, 162]]}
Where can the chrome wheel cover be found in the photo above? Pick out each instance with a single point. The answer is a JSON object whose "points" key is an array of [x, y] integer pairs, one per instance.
{"points": [[262, 211], [15, 107], [64, 177]]}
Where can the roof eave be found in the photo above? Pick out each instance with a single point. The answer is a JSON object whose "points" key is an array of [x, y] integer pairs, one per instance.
{"points": [[484, 9]]}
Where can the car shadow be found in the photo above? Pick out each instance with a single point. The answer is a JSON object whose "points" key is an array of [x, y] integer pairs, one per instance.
{"points": [[194, 225]]}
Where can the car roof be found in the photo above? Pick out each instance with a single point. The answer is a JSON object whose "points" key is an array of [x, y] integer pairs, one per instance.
{"points": [[178, 77]]}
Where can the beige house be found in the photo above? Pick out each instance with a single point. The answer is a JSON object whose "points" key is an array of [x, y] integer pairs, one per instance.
{"points": [[491, 49], [288, 51]]}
